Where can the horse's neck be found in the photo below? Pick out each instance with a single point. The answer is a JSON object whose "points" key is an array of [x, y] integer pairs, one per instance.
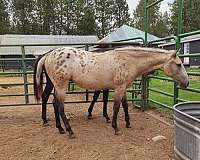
{"points": [[152, 62]]}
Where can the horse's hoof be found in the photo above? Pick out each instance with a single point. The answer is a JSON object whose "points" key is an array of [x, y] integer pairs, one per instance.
{"points": [[45, 124], [61, 130], [89, 117], [72, 136], [117, 132], [128, 126], [108, 121]]}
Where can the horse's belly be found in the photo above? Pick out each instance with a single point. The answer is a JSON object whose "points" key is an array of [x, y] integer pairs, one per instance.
{"points": [[94, 83]]}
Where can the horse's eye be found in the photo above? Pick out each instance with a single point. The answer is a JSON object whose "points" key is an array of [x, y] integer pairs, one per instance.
{"points": [[179, 65]]}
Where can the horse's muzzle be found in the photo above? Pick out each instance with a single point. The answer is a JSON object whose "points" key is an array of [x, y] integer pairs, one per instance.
{"points": [[185, 85]]}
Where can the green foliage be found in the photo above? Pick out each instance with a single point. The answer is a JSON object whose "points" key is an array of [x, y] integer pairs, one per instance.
{"points": [[87, 25], [191, 21], [155, 18], [89, 17], [68, 16], [4, 18], [104, 16], [163, 25], [121, 15], [23, 16]]}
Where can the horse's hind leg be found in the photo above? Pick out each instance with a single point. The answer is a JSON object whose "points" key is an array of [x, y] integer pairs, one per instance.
{"points": [[57, 116], [125, 107], [45, 97], [95, 97], [59, 95], [105, 102]]}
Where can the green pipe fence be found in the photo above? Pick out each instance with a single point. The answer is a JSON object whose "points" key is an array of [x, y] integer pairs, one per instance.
{"points": [[26, 82], [147, 89], [142, 101], [177, 39]]}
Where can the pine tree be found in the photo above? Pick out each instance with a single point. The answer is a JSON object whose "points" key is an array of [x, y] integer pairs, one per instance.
{"points": [[23, 16], [104, 16], [46, 16], [191, 21], [121, 15], [138, 16], [77, 14], [163, 25], [87, 25], [4, 18]]}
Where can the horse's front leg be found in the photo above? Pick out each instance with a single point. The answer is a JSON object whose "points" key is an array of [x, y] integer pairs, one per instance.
{"points": [[119, 93], [95, 97], [125, 107], [105, 102]]}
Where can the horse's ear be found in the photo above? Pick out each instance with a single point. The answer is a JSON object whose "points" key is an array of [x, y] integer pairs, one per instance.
{"points": [[173, 54], [176, 53]]}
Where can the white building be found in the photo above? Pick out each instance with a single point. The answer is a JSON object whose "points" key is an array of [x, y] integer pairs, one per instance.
{"points": [[39, 39]]}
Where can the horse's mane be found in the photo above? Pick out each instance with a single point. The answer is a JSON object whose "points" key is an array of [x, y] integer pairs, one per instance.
{"points": [[145, 49]]}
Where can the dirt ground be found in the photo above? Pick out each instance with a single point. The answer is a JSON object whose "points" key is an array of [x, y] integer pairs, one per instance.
{"points": [[22, 136]]}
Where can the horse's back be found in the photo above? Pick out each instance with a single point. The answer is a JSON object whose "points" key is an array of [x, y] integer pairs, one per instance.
{"points": [[85, 68]]}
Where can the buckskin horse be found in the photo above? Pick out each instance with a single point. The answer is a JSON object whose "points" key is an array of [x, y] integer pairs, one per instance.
{"points": [[115, 69]]}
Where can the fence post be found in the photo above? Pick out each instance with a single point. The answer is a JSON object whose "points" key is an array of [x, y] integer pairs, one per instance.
{"points": [[24, 75], [69, 86], [87, 94], [133, 92], [144, 92], [176, 91]]}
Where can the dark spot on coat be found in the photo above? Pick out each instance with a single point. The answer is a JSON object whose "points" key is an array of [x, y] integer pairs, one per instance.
{"points": [[49, 51], [60, 71], [56, 67], [80, 56], [68, 55], [62, 61], [59, 57], [61, 53], [73, 50]]}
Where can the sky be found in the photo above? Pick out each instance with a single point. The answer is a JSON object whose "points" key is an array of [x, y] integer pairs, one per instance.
{"points": [[133, 3]]}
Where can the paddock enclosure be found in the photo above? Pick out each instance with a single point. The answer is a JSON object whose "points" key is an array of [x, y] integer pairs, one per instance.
{"points": [[23, 137]]}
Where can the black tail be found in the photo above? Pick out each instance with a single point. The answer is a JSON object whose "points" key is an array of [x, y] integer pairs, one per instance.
{"points": [[37, 84]]}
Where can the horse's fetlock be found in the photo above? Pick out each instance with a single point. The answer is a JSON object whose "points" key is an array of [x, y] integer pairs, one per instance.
{"points": [[61, 130], [114, 125]]}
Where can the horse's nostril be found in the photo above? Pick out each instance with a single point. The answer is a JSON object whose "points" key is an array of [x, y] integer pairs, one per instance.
{"points": [[188, 84]]}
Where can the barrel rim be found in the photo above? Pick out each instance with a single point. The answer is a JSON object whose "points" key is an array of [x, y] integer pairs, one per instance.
{"points": [[185, 114]]}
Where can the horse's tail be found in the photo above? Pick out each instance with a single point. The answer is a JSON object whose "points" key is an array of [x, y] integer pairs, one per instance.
{"points": [[38, 77]]}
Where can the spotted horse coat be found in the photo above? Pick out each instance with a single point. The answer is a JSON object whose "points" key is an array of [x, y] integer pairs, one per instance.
{"points": [[115, 69]]}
